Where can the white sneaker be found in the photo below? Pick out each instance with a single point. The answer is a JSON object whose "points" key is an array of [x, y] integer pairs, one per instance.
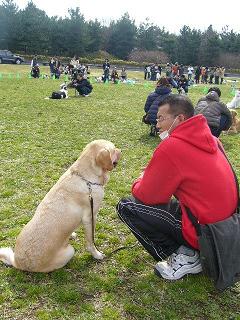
{"points": [[179, 264]]}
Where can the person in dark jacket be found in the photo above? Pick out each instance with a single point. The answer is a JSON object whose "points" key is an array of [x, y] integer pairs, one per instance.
{"points": [[197, 74], [35, 72], [106, 65], [217, 114], [183, 84], [114, 75], [34, 61], [162, 90], [83, 86], [106, 71]]}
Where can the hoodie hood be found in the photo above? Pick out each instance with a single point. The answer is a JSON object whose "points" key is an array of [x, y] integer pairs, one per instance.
{"points": [[161, 90], [196, 132], [212, 95]]}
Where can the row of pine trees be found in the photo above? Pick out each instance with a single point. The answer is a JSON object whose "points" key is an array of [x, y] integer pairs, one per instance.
{"points": [[30, 30]]}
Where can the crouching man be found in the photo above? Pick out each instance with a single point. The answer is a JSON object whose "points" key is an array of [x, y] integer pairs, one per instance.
{"points": [[187, 169], [82, 85]]}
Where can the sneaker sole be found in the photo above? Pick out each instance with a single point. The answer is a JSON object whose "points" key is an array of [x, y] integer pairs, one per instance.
{"points": [[194, 270]]}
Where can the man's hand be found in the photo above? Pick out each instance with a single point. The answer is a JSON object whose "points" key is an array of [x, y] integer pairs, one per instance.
{"points": [[141, 174]]}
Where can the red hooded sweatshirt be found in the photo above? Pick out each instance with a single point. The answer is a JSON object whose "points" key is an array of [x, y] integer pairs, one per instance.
{"points": [[190, 166]]}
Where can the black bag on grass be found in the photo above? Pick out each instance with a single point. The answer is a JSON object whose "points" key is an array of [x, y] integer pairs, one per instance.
{"points": [[219, 245]]}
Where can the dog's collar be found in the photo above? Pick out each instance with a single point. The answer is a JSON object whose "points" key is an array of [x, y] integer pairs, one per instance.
{"points": [[89, 183]]}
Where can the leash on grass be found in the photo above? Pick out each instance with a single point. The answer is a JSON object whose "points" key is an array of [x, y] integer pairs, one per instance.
{"points": [[91, 204], [121, 248]]}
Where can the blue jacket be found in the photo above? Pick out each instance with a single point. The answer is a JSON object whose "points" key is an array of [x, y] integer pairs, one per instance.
{"points": [[153, 100]]}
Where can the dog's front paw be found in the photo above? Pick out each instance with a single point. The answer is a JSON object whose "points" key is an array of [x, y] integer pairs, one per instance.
{"points": [[98, 255], [73, 236], [95, 253]]}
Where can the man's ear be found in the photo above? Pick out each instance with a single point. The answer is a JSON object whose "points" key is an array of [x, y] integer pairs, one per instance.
{"points": [[181, 117], [103, 160]]}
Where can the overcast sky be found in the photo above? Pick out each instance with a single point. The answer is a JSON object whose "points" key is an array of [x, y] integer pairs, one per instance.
{"points": [[169, 14]]}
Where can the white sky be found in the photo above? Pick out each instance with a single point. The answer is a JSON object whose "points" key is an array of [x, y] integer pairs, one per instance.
{"points": [[171, 14]]}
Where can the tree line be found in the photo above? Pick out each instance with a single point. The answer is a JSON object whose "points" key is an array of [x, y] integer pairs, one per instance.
{"points": [[32, 31]]}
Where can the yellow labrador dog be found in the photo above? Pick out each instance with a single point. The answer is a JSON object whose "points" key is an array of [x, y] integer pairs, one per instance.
{"points": [[43, 244], [235, 127]]}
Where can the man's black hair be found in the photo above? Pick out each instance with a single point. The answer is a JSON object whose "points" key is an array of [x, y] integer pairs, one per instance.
{"points": [[178, 104], [216, 89]]}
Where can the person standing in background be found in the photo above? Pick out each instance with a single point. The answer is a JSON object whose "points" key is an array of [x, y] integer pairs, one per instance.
{"points": [[221, 74], [34, 61]]}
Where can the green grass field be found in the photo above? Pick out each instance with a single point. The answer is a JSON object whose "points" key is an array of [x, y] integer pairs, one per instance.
{"points": [[39, 139]]}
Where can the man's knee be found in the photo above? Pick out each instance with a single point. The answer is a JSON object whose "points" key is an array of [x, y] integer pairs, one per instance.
{"points": [[124, 207], [121, 205]]}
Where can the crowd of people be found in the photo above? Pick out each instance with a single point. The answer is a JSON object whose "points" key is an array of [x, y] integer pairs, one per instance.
{"points": [[182, 77], [113, 75], [76, 72], [152, 72], [57, 68], [74, 67]]}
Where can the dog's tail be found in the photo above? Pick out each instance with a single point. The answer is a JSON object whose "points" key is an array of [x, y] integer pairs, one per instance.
{"points": [[7, 256]]}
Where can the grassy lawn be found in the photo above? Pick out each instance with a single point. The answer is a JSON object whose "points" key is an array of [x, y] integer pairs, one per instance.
{"points": [[39, 139]]}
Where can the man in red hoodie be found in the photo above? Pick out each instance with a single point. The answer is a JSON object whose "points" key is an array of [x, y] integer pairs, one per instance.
{"points": [[187, 169]]}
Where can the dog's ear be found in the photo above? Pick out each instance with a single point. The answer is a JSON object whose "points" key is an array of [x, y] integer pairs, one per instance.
{"points": [[104, 160], [234, 113]]}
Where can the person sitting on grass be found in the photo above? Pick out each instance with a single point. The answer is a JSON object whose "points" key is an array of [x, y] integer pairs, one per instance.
{"points": [[187, 170], [162, 90], [35, 72], [183, 84], [217, 114], [82, 85], [123, 74], [114, 75]]}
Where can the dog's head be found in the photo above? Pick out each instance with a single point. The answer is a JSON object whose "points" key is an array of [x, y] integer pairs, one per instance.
{"points": [[234, 116], [98, 158], [63, 86], [107, 156], [103, 154]]}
